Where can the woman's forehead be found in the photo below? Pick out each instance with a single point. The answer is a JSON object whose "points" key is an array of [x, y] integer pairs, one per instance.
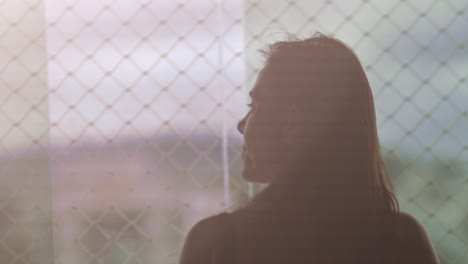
{"points": [[263, 88], [259, 87]]}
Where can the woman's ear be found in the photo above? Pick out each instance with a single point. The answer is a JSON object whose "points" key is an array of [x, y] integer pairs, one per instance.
{"points": [[294, 119]]}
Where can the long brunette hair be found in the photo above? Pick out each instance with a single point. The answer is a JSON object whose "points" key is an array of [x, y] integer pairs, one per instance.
{"points": [[337, 179]]}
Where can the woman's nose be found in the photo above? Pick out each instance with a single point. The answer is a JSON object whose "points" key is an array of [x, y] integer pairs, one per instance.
{"points": [[241, 125]]}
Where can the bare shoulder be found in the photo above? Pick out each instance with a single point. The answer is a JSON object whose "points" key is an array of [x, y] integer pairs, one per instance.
{"points": [[415, 240], [200, 241]]}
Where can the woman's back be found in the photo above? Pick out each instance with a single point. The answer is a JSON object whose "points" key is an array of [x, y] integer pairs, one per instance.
{"points": [[262, 237], [246, 237]]}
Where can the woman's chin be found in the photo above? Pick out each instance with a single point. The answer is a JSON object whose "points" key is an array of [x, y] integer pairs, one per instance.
{"points": [[250, 174], [254, 179]]}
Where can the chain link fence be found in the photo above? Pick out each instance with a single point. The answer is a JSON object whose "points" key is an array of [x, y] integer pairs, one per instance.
{"points": [[118, 118]]}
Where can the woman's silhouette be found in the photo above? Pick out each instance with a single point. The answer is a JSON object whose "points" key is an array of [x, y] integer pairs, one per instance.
{"points": [[311, 135]]}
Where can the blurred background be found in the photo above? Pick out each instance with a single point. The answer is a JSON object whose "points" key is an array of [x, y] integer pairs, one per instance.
{"points": [[118, 118]]}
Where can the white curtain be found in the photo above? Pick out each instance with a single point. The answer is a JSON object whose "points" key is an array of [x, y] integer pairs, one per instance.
{"points": [[118, 127], [25, 185]]}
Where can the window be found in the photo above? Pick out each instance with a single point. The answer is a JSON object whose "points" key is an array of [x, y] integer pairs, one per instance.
{"points": [[118, 118]]}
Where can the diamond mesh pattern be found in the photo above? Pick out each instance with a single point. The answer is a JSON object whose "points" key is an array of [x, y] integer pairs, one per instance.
{"points": [[413, 53], [25, 208], [144, 97], [130, 109]]}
